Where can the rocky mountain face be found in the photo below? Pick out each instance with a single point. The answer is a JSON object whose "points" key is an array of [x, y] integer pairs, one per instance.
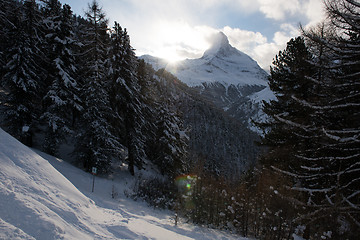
{"points": [[224, 76]]}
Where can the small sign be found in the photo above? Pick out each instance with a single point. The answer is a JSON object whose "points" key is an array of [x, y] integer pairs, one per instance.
{"points": [[94, 170]]}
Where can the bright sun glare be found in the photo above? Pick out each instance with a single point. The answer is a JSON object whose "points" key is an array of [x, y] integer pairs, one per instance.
{"points": [[177, 41], [170, 55]]}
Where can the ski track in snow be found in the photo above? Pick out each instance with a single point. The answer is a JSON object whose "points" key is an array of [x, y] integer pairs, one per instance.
{"points": [[42, 197]]}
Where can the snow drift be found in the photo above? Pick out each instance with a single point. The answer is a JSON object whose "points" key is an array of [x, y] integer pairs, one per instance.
{"points": [[38, 202]]}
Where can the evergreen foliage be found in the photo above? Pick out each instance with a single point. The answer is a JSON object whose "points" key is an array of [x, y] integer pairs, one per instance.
{"points": [[22, 70], [69, 78], [61, 100], [97, 144], [170, 145], [313, 131], [227, 145], [126, 95]]}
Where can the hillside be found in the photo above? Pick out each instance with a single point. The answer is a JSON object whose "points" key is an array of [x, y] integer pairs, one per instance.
{"points": [[43, 197]]}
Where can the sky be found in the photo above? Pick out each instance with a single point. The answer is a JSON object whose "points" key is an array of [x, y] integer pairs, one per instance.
{"points": [[179, 29]]}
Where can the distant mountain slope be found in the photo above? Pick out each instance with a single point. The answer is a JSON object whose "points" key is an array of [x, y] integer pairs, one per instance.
{"points": [[38, 202]]}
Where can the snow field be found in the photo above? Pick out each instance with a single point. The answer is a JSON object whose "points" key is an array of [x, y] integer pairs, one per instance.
{"points": [[42, 197]]}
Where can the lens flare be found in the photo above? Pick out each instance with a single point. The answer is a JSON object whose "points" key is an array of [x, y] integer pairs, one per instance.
{"points": [[185, 182]]}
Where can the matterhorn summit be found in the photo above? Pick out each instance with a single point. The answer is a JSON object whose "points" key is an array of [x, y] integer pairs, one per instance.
{"points": [[220, 46]]}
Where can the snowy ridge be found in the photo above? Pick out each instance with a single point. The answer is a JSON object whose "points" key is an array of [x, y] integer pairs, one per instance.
{"points": [[39, 202], [156, 63], [264, 95], [256, 100]]}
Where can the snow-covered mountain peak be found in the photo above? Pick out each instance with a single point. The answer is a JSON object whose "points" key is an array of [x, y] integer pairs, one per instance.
{"points": [[221, 64], [220, 46]]}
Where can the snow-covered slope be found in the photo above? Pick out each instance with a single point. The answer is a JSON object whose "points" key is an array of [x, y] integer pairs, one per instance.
{"points": [[155, 62], [38, 202]]}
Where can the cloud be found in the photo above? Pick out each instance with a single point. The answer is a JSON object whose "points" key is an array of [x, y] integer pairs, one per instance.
{"points": [[257, 45], [186, 41], [314, 11], [278, 9], [180, 29], [173, 40], [281, 10], [179, 40], [242, 39]]}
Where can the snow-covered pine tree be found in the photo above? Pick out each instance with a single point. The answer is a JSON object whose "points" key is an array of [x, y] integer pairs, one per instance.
{"points": [[7, 20], [330, 170], [61, 101], [115, 54], [148, 84], [96, 145], [125, 95], [170, 145], [227, 145], [171, 135], [323, 164], [291, 129], [286, 129], [23, 72]]}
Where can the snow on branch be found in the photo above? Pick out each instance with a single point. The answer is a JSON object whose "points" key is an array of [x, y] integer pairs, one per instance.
{"points": [[329, 199], [295, 175], [307, 104], [353, 181], [354, 219], [313, 80], [341, 139], [291, 123], [312, 168], [327, 158], [345, 131], [346, 199], [310, 190]]}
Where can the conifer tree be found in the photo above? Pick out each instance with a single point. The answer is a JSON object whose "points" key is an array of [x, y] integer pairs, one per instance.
{"points": [[286, 129], [126, 96], [97, 145], [314, 133], [170, 142], [331, 175], [7, 24], [23, 72], [61, 100], [148, 85]]}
